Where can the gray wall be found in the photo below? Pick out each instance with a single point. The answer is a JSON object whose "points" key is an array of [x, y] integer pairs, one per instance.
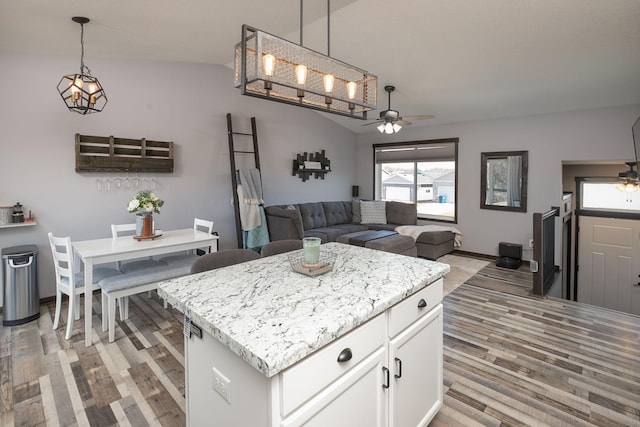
{"points": [[183, 103], [603, 134]]}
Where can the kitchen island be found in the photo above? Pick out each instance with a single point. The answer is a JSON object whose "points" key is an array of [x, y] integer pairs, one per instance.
{"points": [[359, 345]]}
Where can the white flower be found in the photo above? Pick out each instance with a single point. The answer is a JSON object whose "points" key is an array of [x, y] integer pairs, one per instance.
{"points": [[145, 202], [133, 205]]}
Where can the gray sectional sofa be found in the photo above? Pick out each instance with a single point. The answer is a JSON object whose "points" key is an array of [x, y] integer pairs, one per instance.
{"points": [[330, 220]]}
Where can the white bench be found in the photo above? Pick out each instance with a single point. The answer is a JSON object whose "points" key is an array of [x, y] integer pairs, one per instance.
{"points": [[128, 284]]}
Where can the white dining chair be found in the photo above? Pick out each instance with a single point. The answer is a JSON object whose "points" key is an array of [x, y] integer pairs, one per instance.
{"points": [[190, 256], [70, 283], [149, 264], [118, 230]]}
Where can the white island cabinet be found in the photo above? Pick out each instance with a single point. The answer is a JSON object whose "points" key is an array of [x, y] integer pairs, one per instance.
{"points": [[360, 345]]}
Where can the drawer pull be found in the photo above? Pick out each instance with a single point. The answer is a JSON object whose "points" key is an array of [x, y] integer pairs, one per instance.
{"points": [[386, 377], [399, 368], [345, 355], [422, 303]]}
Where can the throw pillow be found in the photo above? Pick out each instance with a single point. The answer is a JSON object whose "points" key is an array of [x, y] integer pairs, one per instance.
{"points": [[373, 212], [355, 210]]}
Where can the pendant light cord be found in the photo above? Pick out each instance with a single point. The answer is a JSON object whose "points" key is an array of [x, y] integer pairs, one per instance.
{"points": [[329, 28], [83, 68], [301, 7]]}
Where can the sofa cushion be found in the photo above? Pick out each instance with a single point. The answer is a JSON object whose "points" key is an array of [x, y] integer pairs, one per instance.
{"points": [[435, 237], [389, 227], [355, 211], [348, 210], [284, 222], [312, 215], [373, 212], [326, 234], [401, 213], [351, 228], [335, 213]]}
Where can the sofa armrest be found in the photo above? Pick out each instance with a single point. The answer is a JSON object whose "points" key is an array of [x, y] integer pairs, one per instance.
{"points": [[284, 223]]}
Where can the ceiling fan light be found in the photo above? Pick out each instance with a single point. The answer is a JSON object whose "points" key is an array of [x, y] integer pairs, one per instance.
{"points": [[388, 128], [396, 127], [381, 127], [631, 187]]}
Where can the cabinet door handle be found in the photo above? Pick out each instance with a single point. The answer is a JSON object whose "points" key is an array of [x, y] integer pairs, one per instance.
{"points": [[399, 368], [345, 355], [422, 303], [386, 377]]}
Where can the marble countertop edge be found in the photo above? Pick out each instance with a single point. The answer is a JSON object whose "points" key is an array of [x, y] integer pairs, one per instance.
{"points": [[266, 356]]}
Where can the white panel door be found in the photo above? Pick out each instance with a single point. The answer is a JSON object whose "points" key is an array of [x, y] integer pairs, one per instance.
{"points": [[609, 263]]}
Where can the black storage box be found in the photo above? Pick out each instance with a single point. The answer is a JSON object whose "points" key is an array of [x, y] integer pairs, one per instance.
{"points": [[510, 255], [508, 262]]}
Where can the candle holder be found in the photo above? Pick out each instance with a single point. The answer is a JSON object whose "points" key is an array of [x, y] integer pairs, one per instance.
{"points": [[324, 264]]}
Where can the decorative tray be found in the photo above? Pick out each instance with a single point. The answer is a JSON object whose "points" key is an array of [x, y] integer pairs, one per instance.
{"points": [[153, 236], [324, 264]]}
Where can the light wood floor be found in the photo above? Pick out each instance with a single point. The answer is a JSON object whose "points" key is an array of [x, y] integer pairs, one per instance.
{"points": [[508, 360]]}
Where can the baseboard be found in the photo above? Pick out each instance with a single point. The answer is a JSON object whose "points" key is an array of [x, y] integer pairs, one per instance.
{"points": [[476, 255]]}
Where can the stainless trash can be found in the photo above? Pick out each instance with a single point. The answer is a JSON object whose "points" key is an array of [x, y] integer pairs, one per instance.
{"points": [[21, 299]]}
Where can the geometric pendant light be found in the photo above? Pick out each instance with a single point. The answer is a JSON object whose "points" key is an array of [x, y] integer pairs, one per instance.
{"points": [[82, 92], [276, 69]]}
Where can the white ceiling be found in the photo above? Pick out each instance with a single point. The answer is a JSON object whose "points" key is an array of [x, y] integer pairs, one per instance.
{"points": [[459, 60]]}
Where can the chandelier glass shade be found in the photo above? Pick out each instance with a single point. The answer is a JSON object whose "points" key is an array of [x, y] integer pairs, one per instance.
{"points": [[272, 68], [389, 128], [82, 93], [628, 186]]}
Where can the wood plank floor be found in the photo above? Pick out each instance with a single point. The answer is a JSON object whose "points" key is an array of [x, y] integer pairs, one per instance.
{"points": [[517, 281], [508, 360]]}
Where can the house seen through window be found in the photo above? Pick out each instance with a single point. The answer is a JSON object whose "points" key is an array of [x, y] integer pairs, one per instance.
{"points": [[419, 172]]}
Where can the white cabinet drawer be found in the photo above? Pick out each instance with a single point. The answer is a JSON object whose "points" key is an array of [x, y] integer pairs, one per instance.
{"points": [[414, 306], [312, 374]]}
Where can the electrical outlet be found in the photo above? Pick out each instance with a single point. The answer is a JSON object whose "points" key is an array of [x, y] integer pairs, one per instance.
{"points": [[530, 243], [221, 385]]}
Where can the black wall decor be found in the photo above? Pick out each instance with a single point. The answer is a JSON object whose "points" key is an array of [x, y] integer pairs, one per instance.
{"points": [[307, 164]]}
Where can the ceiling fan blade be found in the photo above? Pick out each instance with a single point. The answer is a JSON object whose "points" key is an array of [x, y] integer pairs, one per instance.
{"points": [[403, 122], [417, 117], [372, 123]]}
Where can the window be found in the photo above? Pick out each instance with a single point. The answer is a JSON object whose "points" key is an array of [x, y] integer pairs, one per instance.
{"points": [[422, 172], [603, 195]]}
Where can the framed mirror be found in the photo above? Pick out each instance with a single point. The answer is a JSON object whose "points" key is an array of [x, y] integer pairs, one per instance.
{"points": [[503, 180]]}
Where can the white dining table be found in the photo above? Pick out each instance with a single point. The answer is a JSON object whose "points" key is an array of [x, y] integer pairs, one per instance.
{"points": [[101, 251]]}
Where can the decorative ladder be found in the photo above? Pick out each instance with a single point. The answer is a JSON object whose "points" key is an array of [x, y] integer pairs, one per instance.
{"points": [[234, 171]]}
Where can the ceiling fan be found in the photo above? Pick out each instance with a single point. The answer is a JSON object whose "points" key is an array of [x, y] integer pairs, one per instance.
{"points": [[390, 120], [629, 179]]}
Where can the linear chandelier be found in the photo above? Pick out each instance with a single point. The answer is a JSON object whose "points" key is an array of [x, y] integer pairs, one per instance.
{"points": [[82, 92], [276, 69]]}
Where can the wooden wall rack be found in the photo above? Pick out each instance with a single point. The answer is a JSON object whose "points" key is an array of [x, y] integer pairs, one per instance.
{"points": [[111, 154]]}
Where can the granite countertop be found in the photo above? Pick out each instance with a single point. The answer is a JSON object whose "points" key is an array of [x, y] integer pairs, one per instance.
{"points": [[273, 317]]}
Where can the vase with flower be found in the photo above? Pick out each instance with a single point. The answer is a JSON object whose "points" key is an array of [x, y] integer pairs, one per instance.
{"points": [[144, 204]]}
